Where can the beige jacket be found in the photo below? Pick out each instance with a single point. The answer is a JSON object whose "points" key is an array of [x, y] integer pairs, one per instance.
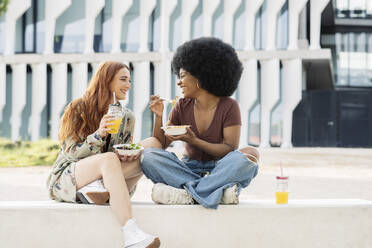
{"points": [[72, 152]]}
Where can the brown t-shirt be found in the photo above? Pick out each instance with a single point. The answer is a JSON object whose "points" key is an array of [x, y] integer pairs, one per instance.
{"points": [[227, 114]]}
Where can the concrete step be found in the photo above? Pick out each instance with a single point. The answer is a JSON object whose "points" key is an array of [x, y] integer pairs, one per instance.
{"points": [[255, 223]]}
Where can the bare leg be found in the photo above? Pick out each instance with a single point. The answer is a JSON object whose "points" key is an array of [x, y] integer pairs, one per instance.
{"points": [[132, 173], [151, 142], [132, 170], [132, 182], [108, 167]]}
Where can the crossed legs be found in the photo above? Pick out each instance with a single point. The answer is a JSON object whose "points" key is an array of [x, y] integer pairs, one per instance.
{"points": [[118, 177]]}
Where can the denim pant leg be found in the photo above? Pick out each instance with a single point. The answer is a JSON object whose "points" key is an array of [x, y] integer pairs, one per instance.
{"points": [[232, 169], [164, 167]]}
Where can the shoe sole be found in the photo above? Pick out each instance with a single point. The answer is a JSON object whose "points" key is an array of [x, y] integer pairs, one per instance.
{"points": [[154, 244], [98, 198], [82, 198]]}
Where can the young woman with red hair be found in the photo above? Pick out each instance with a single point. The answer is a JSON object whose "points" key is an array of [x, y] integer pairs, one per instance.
{"points": [[87, 169]]}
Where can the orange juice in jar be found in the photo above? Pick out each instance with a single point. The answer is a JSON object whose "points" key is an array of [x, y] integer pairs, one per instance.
{"points": [[117, 113], [282, 192], [115, 128]]}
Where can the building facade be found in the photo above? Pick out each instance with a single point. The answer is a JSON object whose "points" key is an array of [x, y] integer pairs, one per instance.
{"points": [[49, 50], [340, 116]]}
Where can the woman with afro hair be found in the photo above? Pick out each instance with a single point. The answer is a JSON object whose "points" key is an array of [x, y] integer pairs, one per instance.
{"points": [[212, 170]]}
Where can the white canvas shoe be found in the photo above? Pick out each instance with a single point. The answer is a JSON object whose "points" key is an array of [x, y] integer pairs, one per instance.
{"points": [[230, 195], [93, 193], [165, 194], [134, 237]]}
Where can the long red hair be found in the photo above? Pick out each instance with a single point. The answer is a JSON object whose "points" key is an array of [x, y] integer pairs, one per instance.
{"points": [[83, 115]]}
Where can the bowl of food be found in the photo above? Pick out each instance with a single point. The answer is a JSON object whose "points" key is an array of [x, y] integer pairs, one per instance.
{"points": [[128, 149], [175, 130]]}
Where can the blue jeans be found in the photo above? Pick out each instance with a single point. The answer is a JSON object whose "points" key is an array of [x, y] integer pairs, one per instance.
{"points": [[162, 166]]}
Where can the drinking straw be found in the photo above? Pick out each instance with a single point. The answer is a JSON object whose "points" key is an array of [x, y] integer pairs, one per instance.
{"points": [[114, 97], [281, 169]]}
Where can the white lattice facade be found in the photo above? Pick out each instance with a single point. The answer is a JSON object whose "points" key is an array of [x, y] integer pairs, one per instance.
{"points": [[35, 87]]}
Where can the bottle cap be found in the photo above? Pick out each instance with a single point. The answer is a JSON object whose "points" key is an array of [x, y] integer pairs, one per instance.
{"points": [[115, 109], [115, 104], [282, 178]]}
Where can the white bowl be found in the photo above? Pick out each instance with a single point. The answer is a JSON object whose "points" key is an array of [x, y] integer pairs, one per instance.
{"points": [[175, 130], [128, 152]]}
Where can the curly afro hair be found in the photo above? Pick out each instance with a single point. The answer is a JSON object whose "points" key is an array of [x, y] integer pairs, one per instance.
{"points": [[214, 63]]}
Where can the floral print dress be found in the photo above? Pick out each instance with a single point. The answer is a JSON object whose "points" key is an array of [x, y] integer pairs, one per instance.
{"points": [[61, 181]]}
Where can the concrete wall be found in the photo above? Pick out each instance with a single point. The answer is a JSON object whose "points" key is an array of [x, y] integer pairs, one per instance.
{"points": [[256, 223]]}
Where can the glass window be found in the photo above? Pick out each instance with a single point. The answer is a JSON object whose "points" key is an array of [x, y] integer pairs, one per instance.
{"points": [[239, 32], [107, 27], [358, 59], [352, 60], [218, 22], [97, 40], [254, 126], [19, 38], [197, 22], [156, 28], [130, 40], [69, 32], [2, 33], [342, 8], [130, 34], [29, 32], [40, 26], [260, 26], [353, 8], [357, 8], [369, 59], [175, 29], [258, 44], [282, 28], [254, 115], [342, 61], [369, 9]]}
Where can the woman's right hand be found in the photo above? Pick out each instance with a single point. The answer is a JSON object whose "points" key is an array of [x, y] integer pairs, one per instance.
{"points": [[156, 105], [104, 125]]}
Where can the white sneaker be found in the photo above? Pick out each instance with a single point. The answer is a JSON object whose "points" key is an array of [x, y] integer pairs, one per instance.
{"points": [[134, 237], [230, 195], [93, 193], [165, 194]]}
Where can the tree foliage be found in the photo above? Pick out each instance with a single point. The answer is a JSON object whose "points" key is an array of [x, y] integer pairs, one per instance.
{"points": [[3, 6]]}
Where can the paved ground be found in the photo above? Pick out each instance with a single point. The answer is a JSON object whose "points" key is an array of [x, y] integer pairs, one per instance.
{"points": [[314, 173]]}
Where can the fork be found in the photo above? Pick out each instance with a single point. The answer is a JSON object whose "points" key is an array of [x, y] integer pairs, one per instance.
{"points": [[170, 101], [165, 99]]}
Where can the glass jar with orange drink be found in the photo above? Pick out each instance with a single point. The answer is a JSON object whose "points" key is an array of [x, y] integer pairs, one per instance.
{"points": [[117, 113], [282, 191]]}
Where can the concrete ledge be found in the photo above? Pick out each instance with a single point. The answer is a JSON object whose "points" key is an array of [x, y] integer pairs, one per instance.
{"points": [[255, 223]]}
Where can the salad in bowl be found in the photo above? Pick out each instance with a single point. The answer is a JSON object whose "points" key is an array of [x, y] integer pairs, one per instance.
{"points": [[128, 149]]}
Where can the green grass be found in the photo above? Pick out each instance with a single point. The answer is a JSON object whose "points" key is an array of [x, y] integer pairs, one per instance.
{"points": [[27, 153]]}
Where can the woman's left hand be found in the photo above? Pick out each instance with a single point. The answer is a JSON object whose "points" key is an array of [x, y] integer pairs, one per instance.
{"points": [[188, 137], [128, 158]]}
